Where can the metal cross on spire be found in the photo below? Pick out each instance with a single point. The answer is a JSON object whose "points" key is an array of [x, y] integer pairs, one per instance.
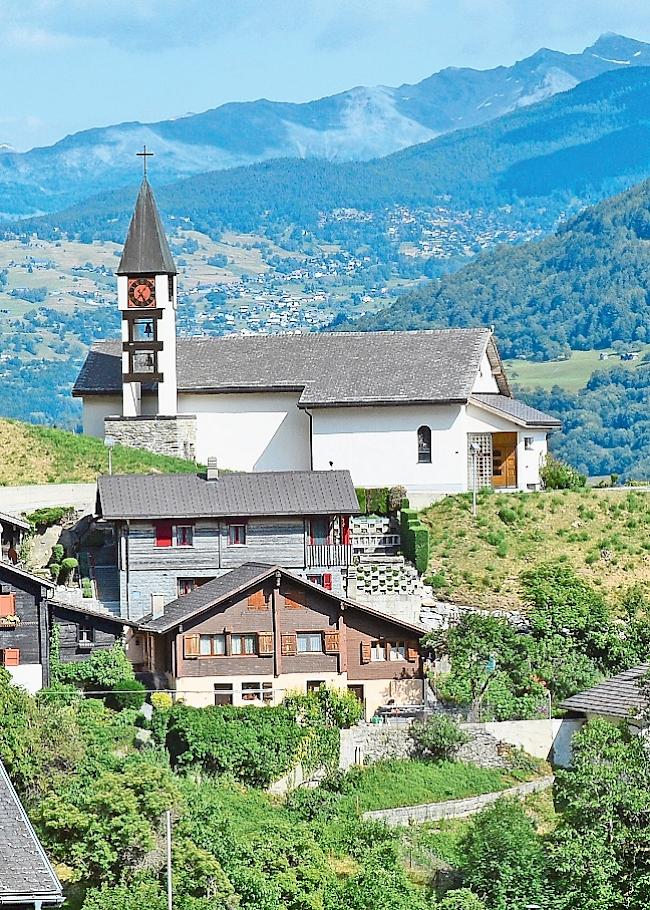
{"points": [[144, 154]]}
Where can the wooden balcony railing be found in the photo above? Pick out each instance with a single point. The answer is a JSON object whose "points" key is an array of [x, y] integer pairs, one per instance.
{"points": [[335, 554]]}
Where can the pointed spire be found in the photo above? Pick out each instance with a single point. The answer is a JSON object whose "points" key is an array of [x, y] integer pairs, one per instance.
{"points": [[146, 251]]}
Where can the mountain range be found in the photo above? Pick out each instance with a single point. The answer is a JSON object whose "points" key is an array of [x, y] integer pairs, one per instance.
{"points": [[360, 124]]}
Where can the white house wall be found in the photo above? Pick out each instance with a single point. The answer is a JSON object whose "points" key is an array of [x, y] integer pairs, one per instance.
{"points": [[250, 431], [485, 379], [95, 408]]}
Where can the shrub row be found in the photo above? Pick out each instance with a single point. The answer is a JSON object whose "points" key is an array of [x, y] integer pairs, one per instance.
{"points": [[415, 539], [381, 500]]}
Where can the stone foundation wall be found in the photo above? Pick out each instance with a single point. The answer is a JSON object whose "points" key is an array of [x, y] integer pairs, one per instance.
{"points": [[175, 436]]}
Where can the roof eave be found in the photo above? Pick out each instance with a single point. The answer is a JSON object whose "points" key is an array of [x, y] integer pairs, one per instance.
{"points": [[550, 424], [380, 402]]}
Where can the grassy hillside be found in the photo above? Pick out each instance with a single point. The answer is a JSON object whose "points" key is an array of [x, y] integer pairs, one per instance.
{"points": [[571, 374], [35, 454], [604, 534]]}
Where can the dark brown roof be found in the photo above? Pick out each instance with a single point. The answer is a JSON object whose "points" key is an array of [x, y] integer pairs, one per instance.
{"points": [[335, 368], [146, 250], [515, 410], [151, 496], [26, 875], [620, 696], [215, 592]]}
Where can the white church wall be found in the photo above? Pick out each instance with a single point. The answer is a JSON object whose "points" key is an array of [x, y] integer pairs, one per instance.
{"points": [[379, 446], [256, 431], [485, 379], [529, 460], [95, 408]]}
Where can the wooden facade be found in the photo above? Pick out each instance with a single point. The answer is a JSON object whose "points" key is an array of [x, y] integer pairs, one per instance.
{"points": [[283, 634], [23, 619], [81, 632]]}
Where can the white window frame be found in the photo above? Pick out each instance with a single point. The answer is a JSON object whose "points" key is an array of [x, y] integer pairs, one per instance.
{"points": [[309, 639], [377, 652], [397, 650], [240, 638]]}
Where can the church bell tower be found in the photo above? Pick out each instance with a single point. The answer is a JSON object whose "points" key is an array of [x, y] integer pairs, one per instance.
{"points": [[146, 289]]}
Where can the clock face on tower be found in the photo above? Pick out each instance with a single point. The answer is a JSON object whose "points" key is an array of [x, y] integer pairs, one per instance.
{"points": [[142, 292]]}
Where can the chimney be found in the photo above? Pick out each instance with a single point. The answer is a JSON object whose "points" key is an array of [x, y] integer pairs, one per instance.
{"points": [[213, 469], [157, 605]]}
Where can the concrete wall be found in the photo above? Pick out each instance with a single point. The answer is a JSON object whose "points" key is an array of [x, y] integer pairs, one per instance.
{"points": [[547, 739], [455, 808], [29, 676]]}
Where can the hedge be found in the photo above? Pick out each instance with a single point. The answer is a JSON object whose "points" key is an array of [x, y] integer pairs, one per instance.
{"points": [[415, 539]]}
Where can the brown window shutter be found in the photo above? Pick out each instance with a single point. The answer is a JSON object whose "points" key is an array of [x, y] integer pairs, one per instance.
{"points": [[257, 601], [191, 645], [288, 644], [332, 643], [412, 653], [11, 657], [366, 652], [265, 644], [7, 604]]}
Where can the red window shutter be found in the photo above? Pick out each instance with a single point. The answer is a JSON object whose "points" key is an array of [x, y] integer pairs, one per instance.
{"points": [[345, 526], [191, 645], [366, 652], [265, 644], [332, 642], [288, 644], [11, 657], [7, 604], [257, 601], [412, 652], [164, 533], [327, 581]]}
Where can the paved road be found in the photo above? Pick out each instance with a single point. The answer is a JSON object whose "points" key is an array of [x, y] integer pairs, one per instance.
{"points": [[25, 499]]}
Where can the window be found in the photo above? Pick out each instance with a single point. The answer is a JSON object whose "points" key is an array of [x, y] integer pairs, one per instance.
{"points": [[143, 362], [319, 531], [237, 535], [257, 691], [164, 534], [212, 645], [142, 329], [184, 535], [528, 443], [397, 650], [309, 642], [85, 635], [223, 693], [243, 644], [424, 445], [378, 651]]}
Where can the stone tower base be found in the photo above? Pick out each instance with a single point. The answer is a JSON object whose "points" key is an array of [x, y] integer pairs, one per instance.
{"points": [[174, 436]]}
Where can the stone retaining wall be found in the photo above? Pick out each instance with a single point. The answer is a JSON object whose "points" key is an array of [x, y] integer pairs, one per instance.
{"points": [[161, 435], [455, 808]]}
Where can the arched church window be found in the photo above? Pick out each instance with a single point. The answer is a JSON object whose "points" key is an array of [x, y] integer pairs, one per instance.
{"points": [[424, 445]]}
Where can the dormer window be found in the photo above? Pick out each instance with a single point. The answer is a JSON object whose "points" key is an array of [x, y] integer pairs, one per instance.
{"points": [[424, 445]]}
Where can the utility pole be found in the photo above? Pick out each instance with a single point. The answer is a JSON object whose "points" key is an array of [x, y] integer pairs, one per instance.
{"points": [[170, 898], [109, 442]]}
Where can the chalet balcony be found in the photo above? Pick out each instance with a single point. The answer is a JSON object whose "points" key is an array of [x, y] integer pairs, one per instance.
{"points": [[331, 554]]}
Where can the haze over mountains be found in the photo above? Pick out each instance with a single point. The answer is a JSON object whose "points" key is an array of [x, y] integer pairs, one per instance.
{"points": [[359, 124]]}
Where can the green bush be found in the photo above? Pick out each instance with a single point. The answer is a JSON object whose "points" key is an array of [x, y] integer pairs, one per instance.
{"points": [[461, 899], [381, 500], [507, 516], [415, 539], [68, 567], [102, 670], [126, 693], [86, 587], [437, 737], [54, 570], [45, 518], [58, 553], [556, 475], [255, 745], [328, 707]]}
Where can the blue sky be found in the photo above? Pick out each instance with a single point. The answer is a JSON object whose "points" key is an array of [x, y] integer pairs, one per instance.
{"points": [[73, 64]]}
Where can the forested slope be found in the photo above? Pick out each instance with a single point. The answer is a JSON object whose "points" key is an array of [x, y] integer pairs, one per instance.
{"points": [[584, 287]]}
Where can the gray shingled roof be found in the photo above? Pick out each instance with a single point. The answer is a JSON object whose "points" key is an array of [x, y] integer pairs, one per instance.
{"points": [[515, 410], [25, 871], [214, 592], [151, 496], [146, 250], [619, 696], [29, 576], [344, 368]]}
